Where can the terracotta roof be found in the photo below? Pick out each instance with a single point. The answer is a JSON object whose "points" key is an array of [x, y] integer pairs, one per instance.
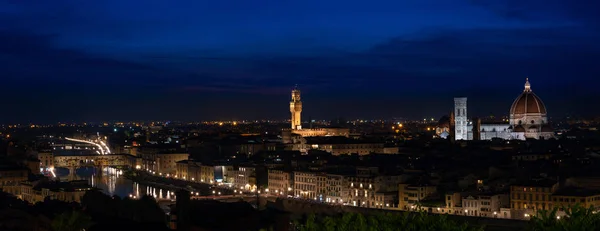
{"points": [[528, 102]]}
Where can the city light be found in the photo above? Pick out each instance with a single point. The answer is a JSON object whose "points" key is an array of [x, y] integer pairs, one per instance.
{"points": [[100, 148]]}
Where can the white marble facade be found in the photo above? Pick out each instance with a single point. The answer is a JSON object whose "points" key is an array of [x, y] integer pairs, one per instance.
{"points": [[528, 119]]}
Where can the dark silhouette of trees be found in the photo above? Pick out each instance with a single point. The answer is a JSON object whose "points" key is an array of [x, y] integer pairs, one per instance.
{"points": [[71, 221], [382, 222], [576, 218], [144, 210]]}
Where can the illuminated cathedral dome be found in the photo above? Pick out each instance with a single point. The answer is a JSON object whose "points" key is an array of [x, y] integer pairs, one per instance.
{"points": [[528, 116], [528, 103]]}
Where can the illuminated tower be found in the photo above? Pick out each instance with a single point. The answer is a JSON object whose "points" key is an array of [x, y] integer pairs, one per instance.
{"points": [[296, 109], [460, 117]]}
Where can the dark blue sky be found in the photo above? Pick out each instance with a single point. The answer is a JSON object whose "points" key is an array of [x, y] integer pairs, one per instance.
{"points": [[194, 59]]}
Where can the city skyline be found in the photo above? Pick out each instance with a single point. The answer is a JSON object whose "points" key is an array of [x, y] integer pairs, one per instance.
{"points": [[69, 61]]}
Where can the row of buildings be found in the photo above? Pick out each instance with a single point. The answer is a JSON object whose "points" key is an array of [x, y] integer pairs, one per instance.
{"points": [[370, 188], [25, 183]]}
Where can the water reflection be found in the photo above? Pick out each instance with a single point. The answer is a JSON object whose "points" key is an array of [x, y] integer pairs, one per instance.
{"points": [[112, 182], [157, 193]]}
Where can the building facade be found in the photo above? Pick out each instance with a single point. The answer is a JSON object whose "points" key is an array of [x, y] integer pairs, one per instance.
{"points": [[296, 110], [409, 195], [528, 119], [305, 185], [10, 176], [34, 192], [460, 115], [528, 198], [242, 177], [162, 163], [279, 182], [485, 205]]}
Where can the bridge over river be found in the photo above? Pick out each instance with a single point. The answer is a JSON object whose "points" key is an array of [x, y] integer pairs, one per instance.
{"points": [[73, 162]]}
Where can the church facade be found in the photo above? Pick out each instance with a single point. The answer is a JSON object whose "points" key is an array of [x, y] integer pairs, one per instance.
{"points": [[528, 119]]}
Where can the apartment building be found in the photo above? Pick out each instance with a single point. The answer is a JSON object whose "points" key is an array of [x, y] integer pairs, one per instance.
{"points": [[334, 189], [195, 171], [485, 205], [305, 185], [361, 191], [386, 199], [34, 192], [162, 163], [409, 194], [199, 172], [12, 175], [242, 177], [571, 196], [529, 197], [46, 159], [279, 182]]}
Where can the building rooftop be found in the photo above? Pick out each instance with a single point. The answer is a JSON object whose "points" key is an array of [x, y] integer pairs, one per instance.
{"points": [[338, 140], [576, 192], [537, 183]]}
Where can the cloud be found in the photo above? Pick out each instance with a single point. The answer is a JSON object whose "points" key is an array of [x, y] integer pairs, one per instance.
{"points": [[582, 11], [490, 51], [409, 74], [466, 56]]}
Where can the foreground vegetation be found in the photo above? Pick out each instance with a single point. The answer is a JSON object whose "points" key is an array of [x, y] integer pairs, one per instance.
{"points": [[383, 222], [577, 218]]}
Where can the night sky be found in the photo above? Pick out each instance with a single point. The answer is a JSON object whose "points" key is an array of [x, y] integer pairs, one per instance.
{"points": [[79, 60]]}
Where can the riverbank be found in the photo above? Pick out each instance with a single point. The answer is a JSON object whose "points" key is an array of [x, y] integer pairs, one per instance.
{"points": [[202, 189]]}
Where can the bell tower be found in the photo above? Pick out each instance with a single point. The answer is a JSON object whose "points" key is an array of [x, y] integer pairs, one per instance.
{"points": [[296, 109], [460, 117]]}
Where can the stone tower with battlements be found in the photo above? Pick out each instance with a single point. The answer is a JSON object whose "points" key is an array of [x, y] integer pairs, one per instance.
{"points": [[296, 109]]}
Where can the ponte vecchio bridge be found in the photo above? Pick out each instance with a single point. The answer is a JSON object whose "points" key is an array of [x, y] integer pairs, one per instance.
{"points": [[95, 154], [97, 161]]}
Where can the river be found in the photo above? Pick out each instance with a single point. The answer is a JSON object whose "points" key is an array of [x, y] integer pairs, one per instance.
{"points": [[111, 183]]}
